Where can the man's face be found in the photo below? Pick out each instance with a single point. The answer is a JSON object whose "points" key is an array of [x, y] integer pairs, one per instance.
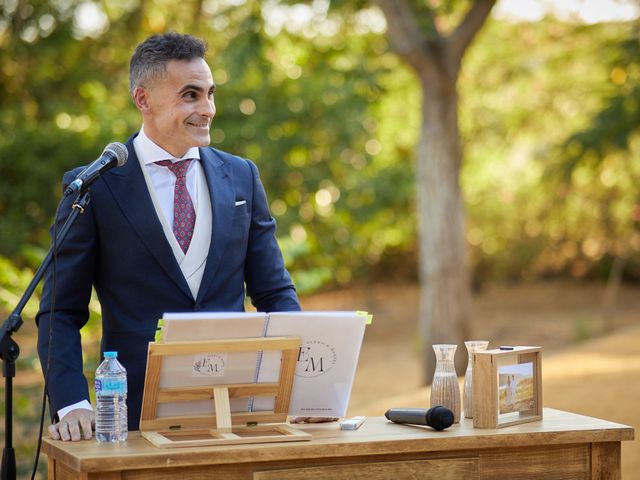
{"points": [[178, 107]]}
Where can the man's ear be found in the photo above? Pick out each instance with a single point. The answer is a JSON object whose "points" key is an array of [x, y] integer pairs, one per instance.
{"points": [[141, 99]]}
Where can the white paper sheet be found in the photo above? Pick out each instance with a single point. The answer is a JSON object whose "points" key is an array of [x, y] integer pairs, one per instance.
{"points": [[327, 360]]}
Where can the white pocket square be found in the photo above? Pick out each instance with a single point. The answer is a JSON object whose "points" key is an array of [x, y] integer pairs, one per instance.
{"points": [[240, 202]]}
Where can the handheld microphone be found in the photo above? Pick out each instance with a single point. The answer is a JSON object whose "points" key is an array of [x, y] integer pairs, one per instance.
{"points": [[437, 417], [114, 155]]}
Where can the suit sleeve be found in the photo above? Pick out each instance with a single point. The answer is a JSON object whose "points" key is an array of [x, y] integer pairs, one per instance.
{"points": [[268, 282], [59, 342]]}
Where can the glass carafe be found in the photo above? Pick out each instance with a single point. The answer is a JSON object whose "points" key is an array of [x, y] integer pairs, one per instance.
{"points": [[472, 347], [445, 390]]}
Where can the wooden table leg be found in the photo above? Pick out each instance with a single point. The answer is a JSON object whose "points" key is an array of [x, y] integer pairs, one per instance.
{"points": [[51, 469], [605, 461]]}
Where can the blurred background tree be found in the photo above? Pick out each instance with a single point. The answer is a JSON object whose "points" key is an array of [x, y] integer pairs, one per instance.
{"points": [[433, 40], [315, 96]]}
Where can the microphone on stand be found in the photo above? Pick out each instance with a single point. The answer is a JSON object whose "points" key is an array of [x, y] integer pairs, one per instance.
{"points": [[114, 155], [437, 417]]}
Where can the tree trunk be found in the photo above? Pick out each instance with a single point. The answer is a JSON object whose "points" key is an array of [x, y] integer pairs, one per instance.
{"points": [[445, 290], [444, 278]]}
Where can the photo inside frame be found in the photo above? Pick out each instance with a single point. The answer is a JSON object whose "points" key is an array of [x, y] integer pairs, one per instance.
{"points": [[516, 388]]}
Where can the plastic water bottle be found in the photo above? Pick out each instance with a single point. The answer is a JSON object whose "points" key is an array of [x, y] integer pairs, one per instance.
{"points": [[111, 400]]}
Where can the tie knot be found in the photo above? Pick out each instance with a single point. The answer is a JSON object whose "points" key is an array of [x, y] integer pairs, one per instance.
{"points": [[179, 168]]}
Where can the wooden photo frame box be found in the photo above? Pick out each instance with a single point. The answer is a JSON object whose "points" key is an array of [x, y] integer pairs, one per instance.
{"points": [[507, 386]]}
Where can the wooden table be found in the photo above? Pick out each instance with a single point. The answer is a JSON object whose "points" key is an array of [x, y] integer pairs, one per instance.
{"points": [[563, 445]]}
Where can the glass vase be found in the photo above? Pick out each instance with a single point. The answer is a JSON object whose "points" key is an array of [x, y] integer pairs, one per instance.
{"points": [[472, 347], [445, 389]]}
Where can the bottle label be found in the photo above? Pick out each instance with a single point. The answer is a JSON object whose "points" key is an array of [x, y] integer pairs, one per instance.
{"points": [[110, 386]]}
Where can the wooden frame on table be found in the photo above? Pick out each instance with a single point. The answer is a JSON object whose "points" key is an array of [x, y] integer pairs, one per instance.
{"points": [[507, 386], [223, 428]]}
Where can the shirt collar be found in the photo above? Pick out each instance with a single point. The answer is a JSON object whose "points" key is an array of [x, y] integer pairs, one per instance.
{"points": [[149, 152]]}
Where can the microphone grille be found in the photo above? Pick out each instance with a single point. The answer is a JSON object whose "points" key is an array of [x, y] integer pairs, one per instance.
{"points": [[120, 151], [440, 417]]}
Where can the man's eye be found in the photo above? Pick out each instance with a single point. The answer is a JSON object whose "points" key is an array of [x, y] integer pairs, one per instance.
{"points": [[190, 95]]}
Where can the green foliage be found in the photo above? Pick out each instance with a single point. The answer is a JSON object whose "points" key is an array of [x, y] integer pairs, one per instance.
{"points": [[582, 328], [332, 118], [615, 126], [13, 282], [301, 105], [536, 209], [598, 171], [310, 162], [57, 111]]}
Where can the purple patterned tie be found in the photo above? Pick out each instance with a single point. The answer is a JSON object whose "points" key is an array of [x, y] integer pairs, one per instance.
{"points": [[184, 215]]}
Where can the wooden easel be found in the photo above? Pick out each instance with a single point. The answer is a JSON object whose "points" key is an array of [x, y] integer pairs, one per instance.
{"points": [[223, 428]]}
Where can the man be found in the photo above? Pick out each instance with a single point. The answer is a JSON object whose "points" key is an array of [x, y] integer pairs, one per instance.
{"points": [[177, 228]]}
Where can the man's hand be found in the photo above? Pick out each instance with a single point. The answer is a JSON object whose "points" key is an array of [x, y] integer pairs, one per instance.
{"points": [[74, 426], [312, 419]]}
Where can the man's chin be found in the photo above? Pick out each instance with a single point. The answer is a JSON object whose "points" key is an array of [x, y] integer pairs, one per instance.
{"points": [[201, 140]]}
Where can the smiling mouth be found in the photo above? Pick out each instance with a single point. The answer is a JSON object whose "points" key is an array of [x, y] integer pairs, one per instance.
{"points": [[198, 125]]}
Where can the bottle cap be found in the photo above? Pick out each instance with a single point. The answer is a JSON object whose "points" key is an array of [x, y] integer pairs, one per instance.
{"points": [[110, 354]]}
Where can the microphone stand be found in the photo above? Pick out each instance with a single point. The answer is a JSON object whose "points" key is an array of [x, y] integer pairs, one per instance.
{"points": [[9, 349]]}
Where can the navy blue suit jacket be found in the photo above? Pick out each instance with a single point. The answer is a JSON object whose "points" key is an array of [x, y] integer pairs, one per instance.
{"points": [[119, 247]]}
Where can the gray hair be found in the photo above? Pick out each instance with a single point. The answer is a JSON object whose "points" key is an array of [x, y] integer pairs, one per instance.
{"points": [[150, 57]]}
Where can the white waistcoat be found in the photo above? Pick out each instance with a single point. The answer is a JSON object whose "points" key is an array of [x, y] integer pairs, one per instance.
{"points": [[193, 262]]}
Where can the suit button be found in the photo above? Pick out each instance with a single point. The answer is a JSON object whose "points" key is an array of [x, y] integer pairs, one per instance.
{"points": [[196, 307]]}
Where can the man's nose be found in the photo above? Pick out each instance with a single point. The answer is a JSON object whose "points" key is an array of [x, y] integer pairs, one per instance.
{"points": [[208, 108]]}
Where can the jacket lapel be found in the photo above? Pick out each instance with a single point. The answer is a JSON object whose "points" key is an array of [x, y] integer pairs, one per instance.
{"points": [[222, 209], [130, 192]]}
